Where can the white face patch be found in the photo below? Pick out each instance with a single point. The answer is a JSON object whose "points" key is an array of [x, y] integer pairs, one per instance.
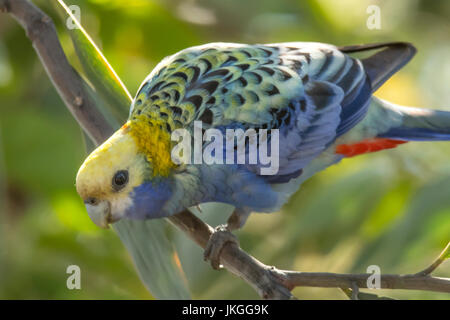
{"points": [[119, 206]]}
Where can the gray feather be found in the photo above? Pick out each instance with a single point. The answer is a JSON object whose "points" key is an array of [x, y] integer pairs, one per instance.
{"points": [[383, 64]]}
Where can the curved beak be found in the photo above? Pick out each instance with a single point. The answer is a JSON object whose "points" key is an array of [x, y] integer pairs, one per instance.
{"points": [[100, 213]]}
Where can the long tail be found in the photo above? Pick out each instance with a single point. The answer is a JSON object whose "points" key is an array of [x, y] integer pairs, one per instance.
{"points": [[415, 124], [396, 122], [388, 125]]}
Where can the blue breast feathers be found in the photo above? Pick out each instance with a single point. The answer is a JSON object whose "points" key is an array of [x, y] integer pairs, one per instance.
{"points": [[148, 200]]}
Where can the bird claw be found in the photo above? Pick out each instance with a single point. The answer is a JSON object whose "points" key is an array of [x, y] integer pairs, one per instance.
{"points": [[217, 241]]}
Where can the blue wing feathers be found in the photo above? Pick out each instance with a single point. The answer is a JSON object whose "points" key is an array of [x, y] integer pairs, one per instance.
{"points": [[355, 110]]}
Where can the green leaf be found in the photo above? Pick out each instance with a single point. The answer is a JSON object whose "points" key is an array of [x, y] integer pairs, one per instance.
{"points": [[446, 253], [98, 71], [152, 251], [154, 255]]}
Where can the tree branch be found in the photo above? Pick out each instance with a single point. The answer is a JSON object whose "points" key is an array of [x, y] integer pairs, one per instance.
{"points": [[269, 282], [42, 33]]}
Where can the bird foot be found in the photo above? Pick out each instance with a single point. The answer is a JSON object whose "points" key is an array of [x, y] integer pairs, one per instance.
{"points": [[217, 241]]}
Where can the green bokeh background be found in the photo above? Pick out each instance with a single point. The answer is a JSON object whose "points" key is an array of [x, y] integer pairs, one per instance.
{"points": [[391, 209]]}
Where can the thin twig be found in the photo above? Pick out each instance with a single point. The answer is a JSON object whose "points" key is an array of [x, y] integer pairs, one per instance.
{"points": [[436, 263], [387, 281], [269, 282]]}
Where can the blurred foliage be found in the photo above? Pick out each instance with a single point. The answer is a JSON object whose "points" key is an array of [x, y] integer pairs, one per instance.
{"points": [[391, 209]]}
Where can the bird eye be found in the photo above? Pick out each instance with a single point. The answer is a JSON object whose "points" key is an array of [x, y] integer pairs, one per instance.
{"points": [[120, 179]]}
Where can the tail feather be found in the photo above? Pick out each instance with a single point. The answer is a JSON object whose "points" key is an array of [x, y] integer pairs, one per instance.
{"points": [[383, 64], [418, 124]]}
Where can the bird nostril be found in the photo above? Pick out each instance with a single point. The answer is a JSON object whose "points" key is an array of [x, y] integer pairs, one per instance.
{"points": [[91, 201]]}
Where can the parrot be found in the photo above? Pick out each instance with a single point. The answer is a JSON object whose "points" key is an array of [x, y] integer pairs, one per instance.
{"points": [[319, 98]]}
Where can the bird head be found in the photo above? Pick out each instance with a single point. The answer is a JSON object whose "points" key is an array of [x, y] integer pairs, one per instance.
{"points": [[128, 175]]}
